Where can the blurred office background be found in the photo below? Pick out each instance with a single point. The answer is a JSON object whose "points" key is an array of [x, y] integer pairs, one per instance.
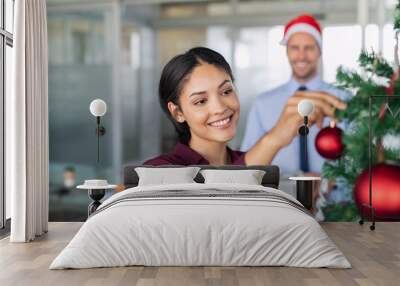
{"points": [[115, 50]]}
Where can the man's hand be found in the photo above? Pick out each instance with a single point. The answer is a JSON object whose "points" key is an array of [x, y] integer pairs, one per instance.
{"points": [[290, 120]]}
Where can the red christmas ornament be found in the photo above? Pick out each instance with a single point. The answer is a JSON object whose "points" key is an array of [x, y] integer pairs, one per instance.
{"points": [[329, 142], [385, 190]]}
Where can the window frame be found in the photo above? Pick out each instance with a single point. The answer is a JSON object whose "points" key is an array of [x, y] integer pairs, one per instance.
{"points": [[6, 39]]}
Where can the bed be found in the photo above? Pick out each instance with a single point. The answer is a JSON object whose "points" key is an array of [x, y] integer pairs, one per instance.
{"points": [[201, 224]]}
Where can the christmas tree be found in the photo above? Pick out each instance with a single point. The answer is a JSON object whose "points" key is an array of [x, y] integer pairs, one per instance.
{"points": [[374, 77]]}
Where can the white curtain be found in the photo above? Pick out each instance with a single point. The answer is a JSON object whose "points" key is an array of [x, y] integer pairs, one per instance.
{"points": [[27, 123]]}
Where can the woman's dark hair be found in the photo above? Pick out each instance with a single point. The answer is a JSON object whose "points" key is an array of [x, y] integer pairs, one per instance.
{"points": [[176, 72]]}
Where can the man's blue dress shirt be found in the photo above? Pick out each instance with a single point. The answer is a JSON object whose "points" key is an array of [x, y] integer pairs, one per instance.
{"points": [[265, 113]]}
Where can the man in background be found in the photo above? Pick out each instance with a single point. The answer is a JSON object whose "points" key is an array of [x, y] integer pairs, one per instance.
{"points": [[275, 109], [303, 40]]}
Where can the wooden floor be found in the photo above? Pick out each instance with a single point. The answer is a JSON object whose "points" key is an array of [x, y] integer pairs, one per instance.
{"points": [[375, 257]]}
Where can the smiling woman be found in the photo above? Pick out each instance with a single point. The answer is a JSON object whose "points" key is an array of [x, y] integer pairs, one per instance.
{"points": [[197, 93]]}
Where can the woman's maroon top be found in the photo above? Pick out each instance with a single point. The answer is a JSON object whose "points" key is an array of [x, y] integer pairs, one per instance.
{"points": [[184, 155]]}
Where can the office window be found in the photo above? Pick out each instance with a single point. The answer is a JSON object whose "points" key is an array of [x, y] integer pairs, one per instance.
{"points": [[96, 53], [372, 37], [260, 65], [388, 42], [344, 52]]}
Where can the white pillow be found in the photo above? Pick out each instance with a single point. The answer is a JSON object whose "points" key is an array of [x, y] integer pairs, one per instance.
{"points": [[248, 177], [163, 176]]}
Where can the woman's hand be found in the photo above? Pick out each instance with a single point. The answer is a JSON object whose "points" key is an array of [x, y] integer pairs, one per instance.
{"points": [[286, 129], [290, 120]]}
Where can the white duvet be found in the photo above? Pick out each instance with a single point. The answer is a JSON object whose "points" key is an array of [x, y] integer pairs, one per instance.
{"points": [[190, 230]]}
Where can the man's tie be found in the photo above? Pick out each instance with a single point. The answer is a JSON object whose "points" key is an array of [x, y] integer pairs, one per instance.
{"points": [[304, 166]]}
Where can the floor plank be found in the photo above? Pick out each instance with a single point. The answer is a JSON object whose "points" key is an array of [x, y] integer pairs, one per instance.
{"points": [[374, 255]]}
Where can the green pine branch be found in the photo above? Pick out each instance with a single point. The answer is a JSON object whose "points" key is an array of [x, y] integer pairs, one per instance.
{"points": [[371, 62]]}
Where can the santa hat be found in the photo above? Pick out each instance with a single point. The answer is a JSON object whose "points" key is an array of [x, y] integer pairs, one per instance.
{"points": [[303, 23]]}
